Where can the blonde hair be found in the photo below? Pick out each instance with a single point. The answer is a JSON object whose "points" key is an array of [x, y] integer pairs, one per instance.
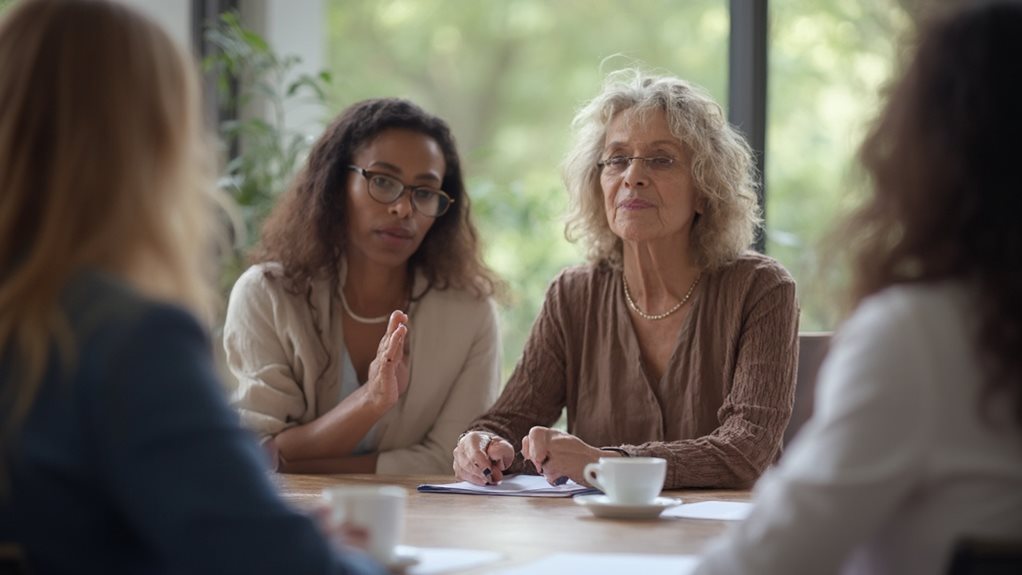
{"points": [[102, 166], [721, 167]]}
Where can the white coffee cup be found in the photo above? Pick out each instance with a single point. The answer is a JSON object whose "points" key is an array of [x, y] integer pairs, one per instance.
{"points": [[379, 510], [628, 480]]}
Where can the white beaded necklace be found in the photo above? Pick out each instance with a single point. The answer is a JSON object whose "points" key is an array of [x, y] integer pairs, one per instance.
{"points": [[359, 318], [659, 316]]}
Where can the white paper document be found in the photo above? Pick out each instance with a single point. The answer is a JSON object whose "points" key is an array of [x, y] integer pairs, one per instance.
{"points": [[721, 510], [606, 564], [435, 560], [515, 485]]}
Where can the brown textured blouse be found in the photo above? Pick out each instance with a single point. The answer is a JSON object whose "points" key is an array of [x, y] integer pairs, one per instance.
{"points": [[719, 412]]}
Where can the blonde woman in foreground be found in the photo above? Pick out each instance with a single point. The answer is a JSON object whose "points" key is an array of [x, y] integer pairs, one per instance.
{"points": [[118, 453], [916, 443]]}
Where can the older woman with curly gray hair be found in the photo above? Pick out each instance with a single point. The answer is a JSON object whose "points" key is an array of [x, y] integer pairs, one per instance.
{"points": [[674, 341]]}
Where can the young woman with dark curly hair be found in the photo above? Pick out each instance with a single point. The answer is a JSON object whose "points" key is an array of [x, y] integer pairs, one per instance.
{"points": [[364, 339]]}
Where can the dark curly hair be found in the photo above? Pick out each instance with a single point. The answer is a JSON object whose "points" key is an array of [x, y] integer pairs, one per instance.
{"points": [[306, 231], [946, 195]]}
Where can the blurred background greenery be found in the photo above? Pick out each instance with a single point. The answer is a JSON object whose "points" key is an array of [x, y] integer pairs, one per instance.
{"points": [[509, 74]]}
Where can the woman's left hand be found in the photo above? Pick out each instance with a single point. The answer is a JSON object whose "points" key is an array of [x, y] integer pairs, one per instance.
{"points": [[557, 455]]}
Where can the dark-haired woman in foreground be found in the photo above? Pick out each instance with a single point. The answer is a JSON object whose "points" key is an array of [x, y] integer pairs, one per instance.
{"points": [[916, 440]]}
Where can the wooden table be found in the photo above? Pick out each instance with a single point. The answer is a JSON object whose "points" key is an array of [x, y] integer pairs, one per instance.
{"points": [[522, 528]]}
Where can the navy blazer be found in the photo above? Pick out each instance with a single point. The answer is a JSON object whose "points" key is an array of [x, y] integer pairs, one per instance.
{"points": [[130, 460]]}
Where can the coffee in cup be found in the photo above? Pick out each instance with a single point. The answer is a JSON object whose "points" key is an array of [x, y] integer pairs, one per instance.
{"points": [[628, 480]]}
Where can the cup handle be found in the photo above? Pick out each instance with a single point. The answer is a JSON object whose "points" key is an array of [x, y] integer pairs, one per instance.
{"points": [[590, 472]]}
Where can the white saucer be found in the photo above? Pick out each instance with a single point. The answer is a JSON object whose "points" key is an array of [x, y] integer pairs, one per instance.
{"points": [[404, 557], [601, 506]]}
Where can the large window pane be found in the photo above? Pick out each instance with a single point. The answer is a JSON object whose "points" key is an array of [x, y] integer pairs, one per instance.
{"points": [[508, 76], [827, 63]]}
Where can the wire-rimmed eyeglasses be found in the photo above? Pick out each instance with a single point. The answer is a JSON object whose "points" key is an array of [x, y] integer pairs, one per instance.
{"points": [[387, 189], [618, 164]]}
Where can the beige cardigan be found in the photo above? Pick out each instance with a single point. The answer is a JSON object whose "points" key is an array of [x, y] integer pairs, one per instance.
{"points": [[274, 352]]}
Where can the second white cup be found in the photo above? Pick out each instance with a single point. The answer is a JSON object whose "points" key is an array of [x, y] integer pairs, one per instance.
{"points": [[628, 480], [380, 510]]}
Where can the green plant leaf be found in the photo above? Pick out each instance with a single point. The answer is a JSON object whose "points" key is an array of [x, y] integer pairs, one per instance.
{"points": [[247, 70], [307, 81], [255, 41]]}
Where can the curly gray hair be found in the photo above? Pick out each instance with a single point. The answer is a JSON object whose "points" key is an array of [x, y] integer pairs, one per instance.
{"points": [[721, 167]]}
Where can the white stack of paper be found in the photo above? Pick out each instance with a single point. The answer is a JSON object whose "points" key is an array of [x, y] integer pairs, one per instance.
{"points": [[606, 563], [436, 560], [720, 510], [514, 485]]}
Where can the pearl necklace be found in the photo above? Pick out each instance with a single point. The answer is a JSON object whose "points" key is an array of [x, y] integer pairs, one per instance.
{"points": [[659, 316], [359, 318]]}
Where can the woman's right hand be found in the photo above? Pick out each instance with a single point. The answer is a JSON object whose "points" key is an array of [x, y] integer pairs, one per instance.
{"points": [[388, 373], [481, 458]]}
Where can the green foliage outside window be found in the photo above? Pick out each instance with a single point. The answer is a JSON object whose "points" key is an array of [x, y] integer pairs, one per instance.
{"points": [[509, 74], [263, 151], [828, 64]]}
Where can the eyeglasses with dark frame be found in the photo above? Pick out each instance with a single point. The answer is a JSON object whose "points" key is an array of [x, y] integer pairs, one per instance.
{"points": [[615, 165], [387, 189]]}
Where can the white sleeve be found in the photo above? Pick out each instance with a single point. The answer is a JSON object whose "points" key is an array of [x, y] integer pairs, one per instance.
{"points": [[859, 455], [268, 397]]}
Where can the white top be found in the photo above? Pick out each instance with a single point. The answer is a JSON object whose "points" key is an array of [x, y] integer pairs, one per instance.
{"points": [[898, 462], [349, 385]]}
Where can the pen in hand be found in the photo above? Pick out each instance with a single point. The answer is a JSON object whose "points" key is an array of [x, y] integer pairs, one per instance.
{"points": [[557, 482], [490, 475]]}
